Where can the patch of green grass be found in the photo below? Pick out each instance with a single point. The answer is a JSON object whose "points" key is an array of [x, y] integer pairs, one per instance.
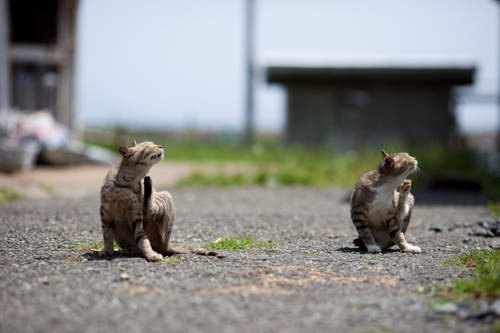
{"points": [[8, 195], [371, 257], [278, 165], [170, 261], [495, 327], [236, 244], [83, 247], [218, 179], [308, 252], [484, 282], [69, 245], [282, 166], [494, 207]]}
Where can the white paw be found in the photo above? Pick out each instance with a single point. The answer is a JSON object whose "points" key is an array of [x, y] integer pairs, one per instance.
{"points": [[154, 256], [373, 248], [412, 248]]}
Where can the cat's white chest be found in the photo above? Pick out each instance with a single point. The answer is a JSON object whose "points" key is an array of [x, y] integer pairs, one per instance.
{"points": [[382, 206]]}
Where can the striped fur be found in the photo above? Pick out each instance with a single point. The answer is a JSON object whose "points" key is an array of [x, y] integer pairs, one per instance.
{"points": [[139, 219], [379, 212]]}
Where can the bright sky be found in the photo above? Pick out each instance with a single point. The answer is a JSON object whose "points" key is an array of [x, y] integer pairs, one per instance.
{"points": [[179, 64]]}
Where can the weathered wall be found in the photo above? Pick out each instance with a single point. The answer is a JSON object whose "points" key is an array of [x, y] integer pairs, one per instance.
{"points": [[357, 116]]}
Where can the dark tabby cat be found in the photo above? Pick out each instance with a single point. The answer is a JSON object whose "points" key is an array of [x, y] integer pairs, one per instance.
{"points": [[379, 212], [132, 213]]}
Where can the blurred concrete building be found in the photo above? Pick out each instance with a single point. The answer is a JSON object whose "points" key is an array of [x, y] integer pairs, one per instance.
{"points": [[365, 105], [37, 42]]}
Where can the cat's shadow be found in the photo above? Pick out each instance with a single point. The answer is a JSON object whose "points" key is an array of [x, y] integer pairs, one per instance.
{"points": [[94, 256], [362, 251]]}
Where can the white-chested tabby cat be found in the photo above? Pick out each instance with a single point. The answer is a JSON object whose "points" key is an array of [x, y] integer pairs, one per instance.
{"points": [[132, 213], [379, 212]]}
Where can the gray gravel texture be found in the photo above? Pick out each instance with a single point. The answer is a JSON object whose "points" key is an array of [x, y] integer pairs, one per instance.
{"points": [[314, 281]]}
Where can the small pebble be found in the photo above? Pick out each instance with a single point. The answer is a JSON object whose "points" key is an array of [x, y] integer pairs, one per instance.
{"points": [[124, 277], [495, 307], [495, 245]]}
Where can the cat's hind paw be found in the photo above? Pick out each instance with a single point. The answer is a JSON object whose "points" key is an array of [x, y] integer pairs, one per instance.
{"points": [[412, 248], [405, 186], [373, 248]]}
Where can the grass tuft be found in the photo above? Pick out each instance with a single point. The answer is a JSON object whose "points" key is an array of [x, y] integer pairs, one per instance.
{"points": [[83, 247], [308, 252], [485, 280], [494, 207], [7, 195], [236, 244], [170, 261], [371, 257]]}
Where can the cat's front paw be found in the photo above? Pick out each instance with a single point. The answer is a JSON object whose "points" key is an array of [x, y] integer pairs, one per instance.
{"points": [[373, 248], [106, 252], [154, 256], [405, 186], [412, 248]]}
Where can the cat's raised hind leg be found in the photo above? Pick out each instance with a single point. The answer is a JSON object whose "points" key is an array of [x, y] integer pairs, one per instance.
{"points": [[140, 237], [398, 225]]}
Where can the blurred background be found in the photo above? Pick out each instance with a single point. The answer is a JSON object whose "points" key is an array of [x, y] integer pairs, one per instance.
{"points": [[253, 92]]}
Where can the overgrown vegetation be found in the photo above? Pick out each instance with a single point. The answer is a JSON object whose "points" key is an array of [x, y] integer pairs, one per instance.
{"points": [[278, 165], [484, 282], [8, 195], [236, 244]]}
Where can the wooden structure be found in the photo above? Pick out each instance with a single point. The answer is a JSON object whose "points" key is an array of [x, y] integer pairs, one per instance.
{"points": [[37, 42], [361, 106]]}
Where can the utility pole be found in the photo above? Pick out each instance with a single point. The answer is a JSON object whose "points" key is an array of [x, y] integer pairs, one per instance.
{"points": [[248, 136], [4, 56], [498, 73]]}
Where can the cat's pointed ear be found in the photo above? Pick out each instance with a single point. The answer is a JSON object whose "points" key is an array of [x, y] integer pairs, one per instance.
{"points": [[123, 150], [384, 154], [134, 143], [388, 162]]}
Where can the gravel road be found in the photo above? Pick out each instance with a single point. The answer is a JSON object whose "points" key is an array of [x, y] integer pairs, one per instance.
{"points": [[314, 281]]}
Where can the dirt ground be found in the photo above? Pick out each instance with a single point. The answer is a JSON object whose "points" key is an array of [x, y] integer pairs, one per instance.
{"points": [[314, 280]]}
